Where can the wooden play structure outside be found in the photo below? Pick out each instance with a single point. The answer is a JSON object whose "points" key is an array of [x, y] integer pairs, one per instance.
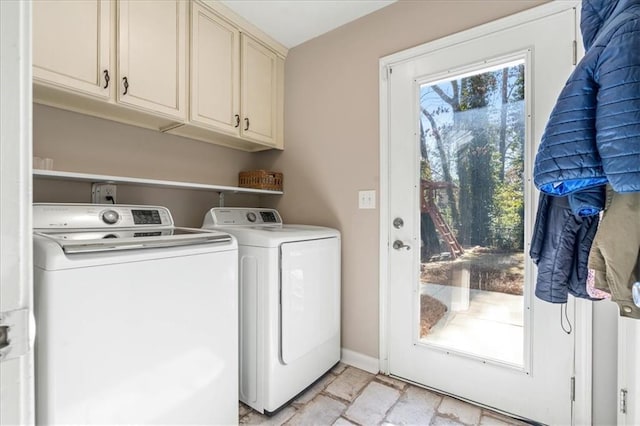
{"points": [[428, 205]]}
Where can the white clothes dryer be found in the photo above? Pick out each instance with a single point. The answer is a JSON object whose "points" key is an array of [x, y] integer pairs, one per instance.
{"points": [[289, 303], [136, 319]]}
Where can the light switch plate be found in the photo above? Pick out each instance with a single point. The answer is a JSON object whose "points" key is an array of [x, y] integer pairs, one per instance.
{"points": [[367, 199]]}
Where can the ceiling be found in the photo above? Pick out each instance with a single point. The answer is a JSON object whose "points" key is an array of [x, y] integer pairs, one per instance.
{"points": [[292, 22]]}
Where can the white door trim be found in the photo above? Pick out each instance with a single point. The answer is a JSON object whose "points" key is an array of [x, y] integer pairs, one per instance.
{"points": [[16, 373], [628, 371], [383, 354], [583, 344], [583, 363]]}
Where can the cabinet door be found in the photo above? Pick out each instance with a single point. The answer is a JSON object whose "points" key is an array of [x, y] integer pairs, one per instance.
{"points": [[215, 71], [258, 82], [152, 55], [71, 45]]}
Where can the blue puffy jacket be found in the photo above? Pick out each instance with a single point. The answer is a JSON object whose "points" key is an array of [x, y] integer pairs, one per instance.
{"points": [[593, 134]]}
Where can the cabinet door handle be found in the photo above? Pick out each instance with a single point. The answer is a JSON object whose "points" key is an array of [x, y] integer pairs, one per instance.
{"points": [[125, 83], [237, 120], [106, 78], [246, 121]]}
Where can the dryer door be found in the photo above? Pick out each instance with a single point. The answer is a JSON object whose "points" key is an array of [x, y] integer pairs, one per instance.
{"points": [[310, 295]]}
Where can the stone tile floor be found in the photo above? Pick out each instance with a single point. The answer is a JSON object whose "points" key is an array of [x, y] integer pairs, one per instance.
{"points": [[349, 396]]}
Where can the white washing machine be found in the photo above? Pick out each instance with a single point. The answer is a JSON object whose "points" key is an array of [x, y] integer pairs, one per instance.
{"points": [[136, 319], [289, 303]]}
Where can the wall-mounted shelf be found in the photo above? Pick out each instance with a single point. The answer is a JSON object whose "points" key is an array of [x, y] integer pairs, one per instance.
{"points": [[86, 177]]}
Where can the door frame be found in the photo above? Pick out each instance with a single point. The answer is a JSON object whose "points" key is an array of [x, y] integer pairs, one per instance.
{"points": [[17, 378], [583, 309]]}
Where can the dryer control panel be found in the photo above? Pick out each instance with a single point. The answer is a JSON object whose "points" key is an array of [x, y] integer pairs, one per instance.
{"points": [[94, 216], [240, 216]]}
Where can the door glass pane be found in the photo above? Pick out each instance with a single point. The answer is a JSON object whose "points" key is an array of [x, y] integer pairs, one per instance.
{"points": [[472, 133]]}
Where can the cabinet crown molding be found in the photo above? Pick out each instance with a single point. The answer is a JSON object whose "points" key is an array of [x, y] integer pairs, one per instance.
{"points": [[246, 26]]}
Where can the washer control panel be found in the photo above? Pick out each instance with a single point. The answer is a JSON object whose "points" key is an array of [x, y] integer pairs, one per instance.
{"points": [[93, 216], [268, 217], [110, 217], [239, 216]]}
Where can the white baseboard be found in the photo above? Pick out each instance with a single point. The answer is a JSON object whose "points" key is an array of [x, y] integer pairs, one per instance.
{"points": [[361, 361]]}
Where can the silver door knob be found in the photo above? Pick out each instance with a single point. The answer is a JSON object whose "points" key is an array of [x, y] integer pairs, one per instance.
{"points": [[399, 245], [398, 223]]}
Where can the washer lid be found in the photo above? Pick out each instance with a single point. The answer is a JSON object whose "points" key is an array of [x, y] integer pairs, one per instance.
{"points": [[88, 228], [101, 240]]}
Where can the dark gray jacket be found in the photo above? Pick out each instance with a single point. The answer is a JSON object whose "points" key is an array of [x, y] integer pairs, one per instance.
{"points": [[561, 243]]}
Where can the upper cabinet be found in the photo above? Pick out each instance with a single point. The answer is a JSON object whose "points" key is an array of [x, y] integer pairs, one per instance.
{"points": [[191, 68], [140, 80], [215, 71], [259, 88], [152, 55], [72, 45], [236, 84]]}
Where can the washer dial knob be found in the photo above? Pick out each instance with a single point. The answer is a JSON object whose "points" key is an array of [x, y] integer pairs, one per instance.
{"points": [[251, 217], [110, 217]]}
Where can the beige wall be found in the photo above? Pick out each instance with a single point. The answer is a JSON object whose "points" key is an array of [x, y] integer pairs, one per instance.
{"points": [[79, 143], [332, 135]]}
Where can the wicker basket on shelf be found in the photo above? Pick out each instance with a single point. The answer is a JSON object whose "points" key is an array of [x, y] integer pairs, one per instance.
{"points": [[261, 179]]}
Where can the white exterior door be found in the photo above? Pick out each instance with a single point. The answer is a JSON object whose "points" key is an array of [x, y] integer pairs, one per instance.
{"points": [[465, 115], [16, 357]]}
